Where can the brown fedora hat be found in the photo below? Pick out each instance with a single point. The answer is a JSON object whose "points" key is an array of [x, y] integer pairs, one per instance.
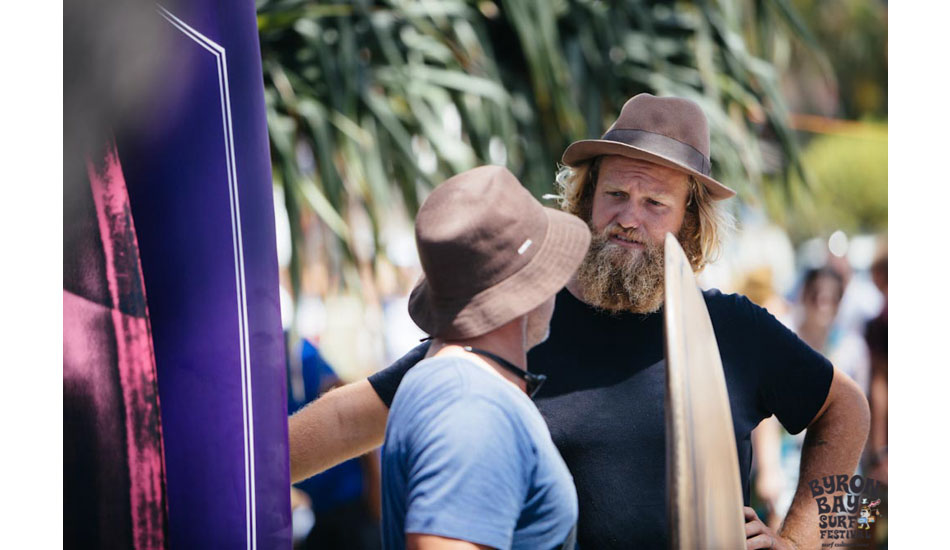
{"points": [[490, 252], [666, 130]]}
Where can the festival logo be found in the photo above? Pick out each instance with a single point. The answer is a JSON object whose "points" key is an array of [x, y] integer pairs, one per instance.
{"points": [[848, 508], [869, 513]]}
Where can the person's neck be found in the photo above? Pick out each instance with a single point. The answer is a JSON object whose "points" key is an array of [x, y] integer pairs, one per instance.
{"points": [[506, 342], [574, 287]]}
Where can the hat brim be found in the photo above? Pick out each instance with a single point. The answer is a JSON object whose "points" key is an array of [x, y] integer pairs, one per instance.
{"points": [[584, 150], [565, 243]]}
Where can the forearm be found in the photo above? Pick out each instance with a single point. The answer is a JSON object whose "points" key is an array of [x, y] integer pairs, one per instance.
{"points": [[833, 445], [343, 424], [878, 405], [417, 541]]}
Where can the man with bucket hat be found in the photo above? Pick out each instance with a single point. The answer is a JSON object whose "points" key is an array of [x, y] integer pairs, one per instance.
{"points": [[649, 174], [467, 459]]}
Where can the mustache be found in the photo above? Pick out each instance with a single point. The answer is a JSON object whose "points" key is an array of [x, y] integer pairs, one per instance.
{"points": [[637, 235]]}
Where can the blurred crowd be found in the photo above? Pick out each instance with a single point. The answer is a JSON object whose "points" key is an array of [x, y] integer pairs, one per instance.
{"points": [[838, 306]]}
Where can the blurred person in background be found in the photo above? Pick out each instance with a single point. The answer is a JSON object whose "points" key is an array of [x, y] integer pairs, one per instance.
{"points": [[397, 274], [768, 480], [861, 300], [758, 285], [876, 336], [822, 291], [344, 501], [778, 452]]}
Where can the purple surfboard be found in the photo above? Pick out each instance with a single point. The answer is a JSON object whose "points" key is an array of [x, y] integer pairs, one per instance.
{"points": [[197, 167]]}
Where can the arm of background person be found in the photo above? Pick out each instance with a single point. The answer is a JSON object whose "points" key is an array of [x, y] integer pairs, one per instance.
{"points": [[416, 541], [833, 445], [770, 480], [342, 424], [373, 486], [878, 444]]}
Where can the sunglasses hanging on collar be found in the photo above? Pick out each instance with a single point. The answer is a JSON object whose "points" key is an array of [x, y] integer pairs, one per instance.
{"points": [[532, 381]]}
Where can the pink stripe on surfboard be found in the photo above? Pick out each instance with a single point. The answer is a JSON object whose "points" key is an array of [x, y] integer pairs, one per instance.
{"points": [[135, 355]]}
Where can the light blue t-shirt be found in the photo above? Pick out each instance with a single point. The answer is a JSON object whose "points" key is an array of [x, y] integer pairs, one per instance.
{"points": [[468, 456]]}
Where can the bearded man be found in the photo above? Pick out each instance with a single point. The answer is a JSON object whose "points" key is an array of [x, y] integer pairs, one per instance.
{"points": [[604, 398]]}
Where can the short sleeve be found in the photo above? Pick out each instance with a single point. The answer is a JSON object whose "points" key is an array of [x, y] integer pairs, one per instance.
{"points": [[469, 474], [795, 378], [386, 381]]}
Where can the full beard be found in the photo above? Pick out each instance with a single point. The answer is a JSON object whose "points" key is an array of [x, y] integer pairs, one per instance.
{"points": [[614, 279]]}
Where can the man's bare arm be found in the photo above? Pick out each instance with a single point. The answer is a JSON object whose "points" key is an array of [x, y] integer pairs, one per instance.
{"points": [[344, 423], [416, 541], [878, 443], [833, 445]]}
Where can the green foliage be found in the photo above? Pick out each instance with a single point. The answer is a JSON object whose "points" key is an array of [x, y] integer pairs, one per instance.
{"points": [[370, 104], [849, 171], [853, 35]]}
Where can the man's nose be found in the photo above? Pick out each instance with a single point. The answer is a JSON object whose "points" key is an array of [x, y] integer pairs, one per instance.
{"points": [[630, 216]]}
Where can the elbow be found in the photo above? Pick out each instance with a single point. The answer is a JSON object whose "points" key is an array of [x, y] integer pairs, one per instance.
{"points": [[861, 407], [848, 409], [862, 414]]}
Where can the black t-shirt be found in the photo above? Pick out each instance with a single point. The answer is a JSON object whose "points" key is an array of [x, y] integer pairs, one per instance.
{"points": [[604, 398]]}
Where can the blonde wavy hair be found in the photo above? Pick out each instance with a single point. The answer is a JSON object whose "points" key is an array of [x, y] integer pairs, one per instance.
{"points": [[704, 226]]}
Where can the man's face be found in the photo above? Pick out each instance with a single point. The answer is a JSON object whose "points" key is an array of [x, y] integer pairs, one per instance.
{"points": [[634, 204], [822, 299]]}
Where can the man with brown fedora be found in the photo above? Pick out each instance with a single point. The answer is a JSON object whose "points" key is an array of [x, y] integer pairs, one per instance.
{"points": [[648, 175], [467, 459]]}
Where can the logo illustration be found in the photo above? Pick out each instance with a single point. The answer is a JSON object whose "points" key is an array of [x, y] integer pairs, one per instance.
{"points": [[869, 513]]}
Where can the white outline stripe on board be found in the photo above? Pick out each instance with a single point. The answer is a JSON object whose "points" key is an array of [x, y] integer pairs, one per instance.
{"points": [[236, 237]]}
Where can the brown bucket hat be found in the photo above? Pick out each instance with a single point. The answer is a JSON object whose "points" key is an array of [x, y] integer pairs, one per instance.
{"points": [[490, 252], [669, 131]]}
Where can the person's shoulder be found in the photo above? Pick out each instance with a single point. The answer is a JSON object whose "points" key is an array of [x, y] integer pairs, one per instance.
{"points": [[715, 298], [737, 310], [386, 381], [451, 381], [411, 358], [429, 396], [471, 386], [438, 372], [450, 396]]}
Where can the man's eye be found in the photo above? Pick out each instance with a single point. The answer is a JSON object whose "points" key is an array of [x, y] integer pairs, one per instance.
{"points": [[618, 194], [654, 203]]}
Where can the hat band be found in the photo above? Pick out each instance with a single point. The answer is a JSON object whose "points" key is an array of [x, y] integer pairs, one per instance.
{"points": [[662, 145]]}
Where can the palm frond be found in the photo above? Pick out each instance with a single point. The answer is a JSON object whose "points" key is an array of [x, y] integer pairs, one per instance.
{"points": [[370, 104]]}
